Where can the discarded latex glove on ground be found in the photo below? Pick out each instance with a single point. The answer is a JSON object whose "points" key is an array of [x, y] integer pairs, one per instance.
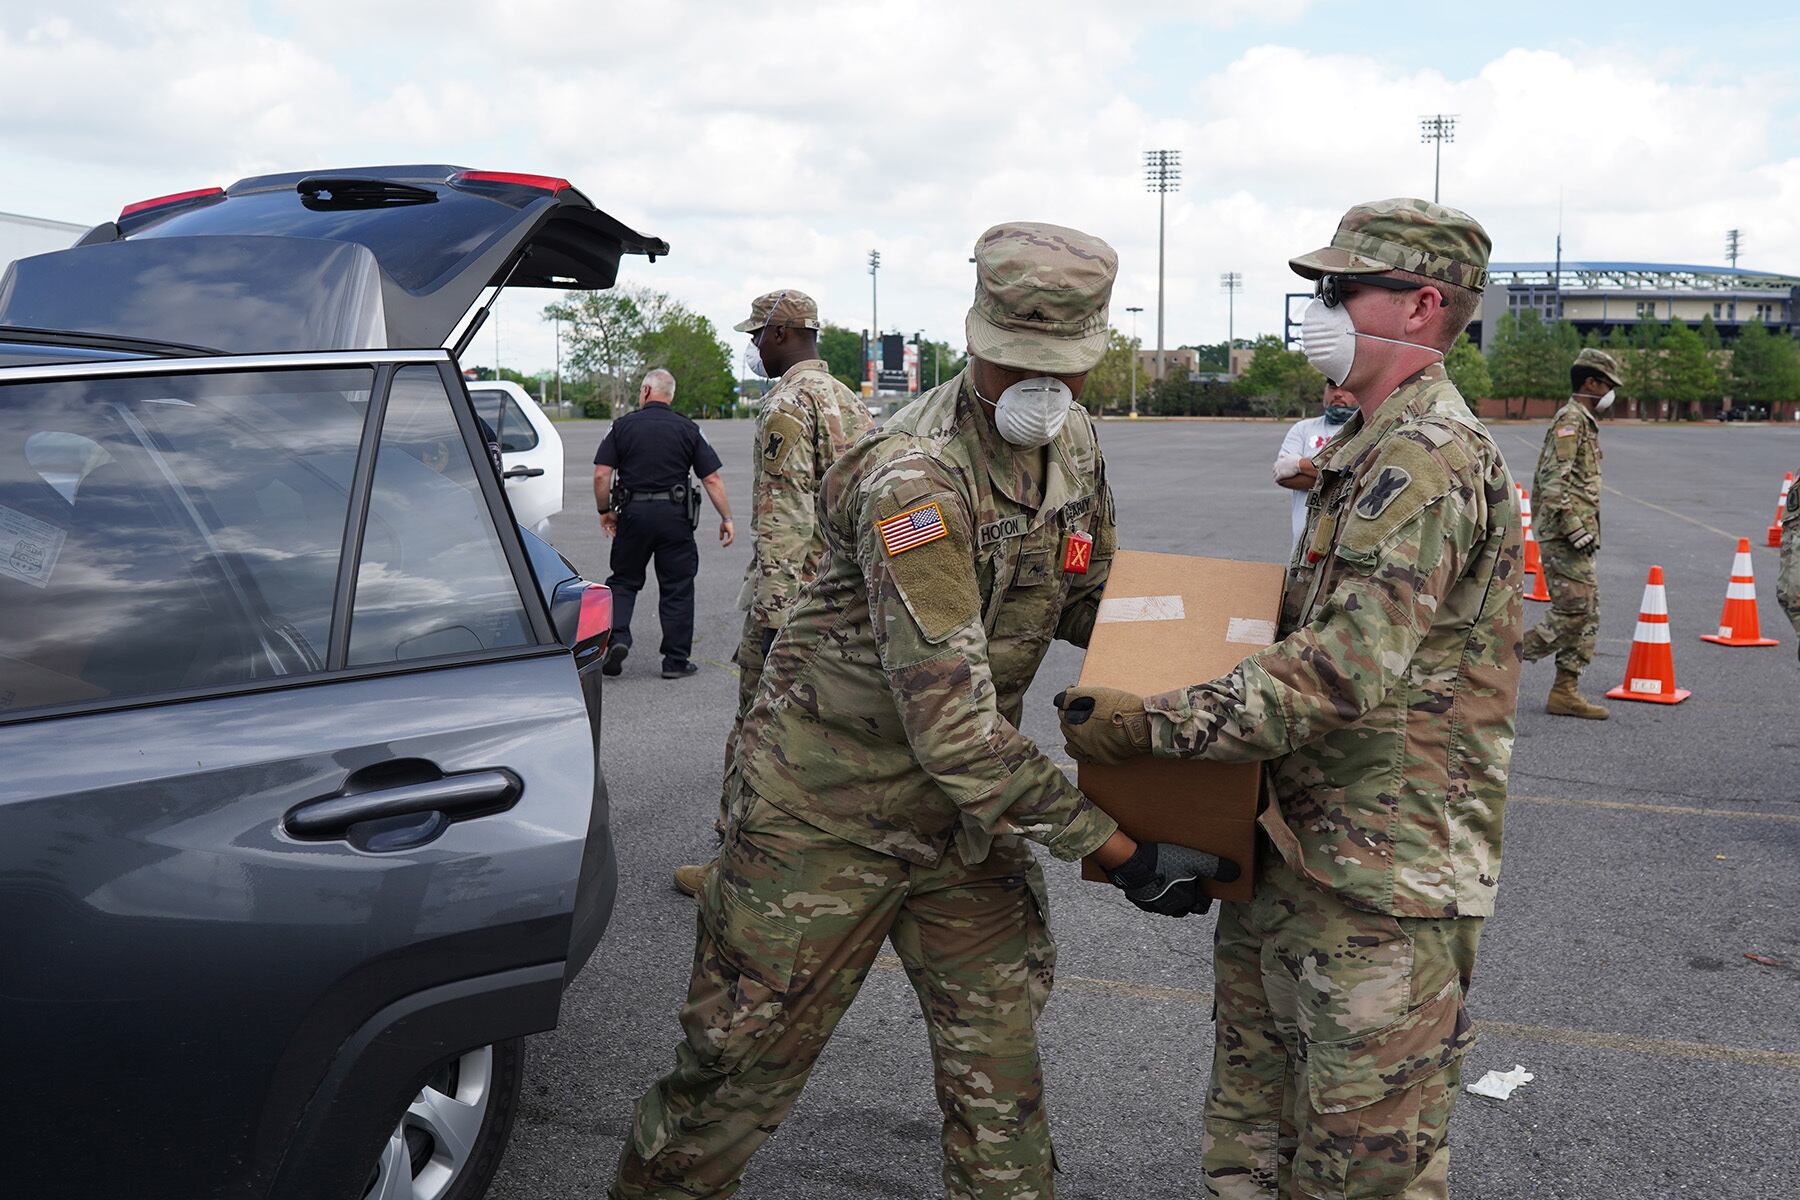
{"points": [[1498, 1085]]}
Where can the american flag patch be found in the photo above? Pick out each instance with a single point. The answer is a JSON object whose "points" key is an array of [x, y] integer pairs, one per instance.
{"points": [[912, 528]]}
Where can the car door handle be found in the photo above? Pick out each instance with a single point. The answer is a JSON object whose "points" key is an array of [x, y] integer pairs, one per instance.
{"points": [[523, 473], [467, 794]]}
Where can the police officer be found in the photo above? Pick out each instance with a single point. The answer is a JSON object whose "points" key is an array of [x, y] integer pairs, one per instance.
{"points": [[1385, 713], [803, 424], [885, 790], [651, 514], [1566, 515]]}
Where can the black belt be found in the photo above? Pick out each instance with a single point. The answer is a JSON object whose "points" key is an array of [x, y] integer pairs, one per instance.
{"points": [[675, 495]]}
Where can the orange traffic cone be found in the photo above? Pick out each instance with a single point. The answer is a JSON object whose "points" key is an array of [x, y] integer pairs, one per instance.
{"points": [[1534, 558], [1650, 671], [1738, 625], [1780, 508]]}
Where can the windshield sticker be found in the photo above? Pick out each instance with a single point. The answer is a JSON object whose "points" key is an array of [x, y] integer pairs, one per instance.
{"points": [[28, 547]]}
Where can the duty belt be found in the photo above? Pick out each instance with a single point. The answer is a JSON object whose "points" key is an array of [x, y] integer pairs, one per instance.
{"points": [[674, 495]]}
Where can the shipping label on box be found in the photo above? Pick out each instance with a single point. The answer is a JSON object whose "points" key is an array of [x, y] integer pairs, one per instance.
{"points": [[1167, 621]]}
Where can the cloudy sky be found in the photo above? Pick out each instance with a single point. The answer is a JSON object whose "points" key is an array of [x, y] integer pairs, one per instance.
{"points": [[775, 145]]}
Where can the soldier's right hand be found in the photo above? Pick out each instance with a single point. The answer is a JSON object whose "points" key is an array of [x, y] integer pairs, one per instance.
{"points": [[1103, 725], [1584, 541], [1163, 878]]}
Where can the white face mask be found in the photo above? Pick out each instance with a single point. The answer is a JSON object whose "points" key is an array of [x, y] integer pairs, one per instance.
{"points": [[1328, 339], [753, 362], [1606, 400], [1031, 412]]}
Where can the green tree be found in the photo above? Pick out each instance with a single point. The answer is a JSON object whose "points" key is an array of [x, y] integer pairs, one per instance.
{"points": [[1689, 377], [1643, 363], [1279, 382], [1709, 333], [842, 350], [1764, 368], [1109, 383], [938, 361], [604, 330], [1529, 358], [1468, 370], [685, 344]]}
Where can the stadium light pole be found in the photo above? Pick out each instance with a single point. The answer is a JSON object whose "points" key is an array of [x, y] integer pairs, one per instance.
{"points": [[1162, 175], [1734, 242], [874, 311], [1439, 128], [1134, 311], [1231, 281]]}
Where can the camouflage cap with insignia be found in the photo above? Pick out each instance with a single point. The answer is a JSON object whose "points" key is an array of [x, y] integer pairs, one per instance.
{"points": [[1404, 235], [784, 307], [1041, 296], [1602, 363]]}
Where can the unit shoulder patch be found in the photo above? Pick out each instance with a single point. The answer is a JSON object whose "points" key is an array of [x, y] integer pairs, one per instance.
{"points": [[782, 435], [1382, 491], [1403, 481]]}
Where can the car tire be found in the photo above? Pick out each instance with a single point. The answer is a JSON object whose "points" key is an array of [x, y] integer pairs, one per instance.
{"points": [[449, 1142]]}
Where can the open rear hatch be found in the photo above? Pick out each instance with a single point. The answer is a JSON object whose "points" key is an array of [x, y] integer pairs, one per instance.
{"points": [[361, 258]]}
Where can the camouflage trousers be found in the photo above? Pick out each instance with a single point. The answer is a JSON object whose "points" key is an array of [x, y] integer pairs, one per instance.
{"points": [[1574, 617], [749, 661], [1339, 1040], [789, 926], [1787, 583]]}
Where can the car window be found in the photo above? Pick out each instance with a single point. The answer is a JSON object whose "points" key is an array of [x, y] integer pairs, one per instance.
{"points": [[506, 419], [433, 579], [166, 533]]}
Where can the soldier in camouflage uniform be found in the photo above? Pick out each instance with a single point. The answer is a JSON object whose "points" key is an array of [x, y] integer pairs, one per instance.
{"points": [[803, 424], [885, 791], [1385, 714], [1787, 584], [1566, 507]]}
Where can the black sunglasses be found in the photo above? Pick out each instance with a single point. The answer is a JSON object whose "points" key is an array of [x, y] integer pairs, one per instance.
{"points": [[1333, 288]]}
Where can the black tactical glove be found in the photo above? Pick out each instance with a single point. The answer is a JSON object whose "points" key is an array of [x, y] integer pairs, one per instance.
{"points": [[1583, 541], [768, 640], [1163, 878], [1103, 725]]}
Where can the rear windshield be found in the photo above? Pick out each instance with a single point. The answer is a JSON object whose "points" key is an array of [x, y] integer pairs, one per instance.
{"points": [[414, 243]]}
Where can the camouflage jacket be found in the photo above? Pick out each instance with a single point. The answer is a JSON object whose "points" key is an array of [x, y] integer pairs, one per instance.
{"points": [[1387, 705], [1565, 492], [889, 712], [804, 424], [1787, 584]]}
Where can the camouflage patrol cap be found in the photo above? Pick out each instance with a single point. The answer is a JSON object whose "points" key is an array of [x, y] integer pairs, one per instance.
{"points": [[1041, 295], [1602, 363], [1404, 235], [790, 307]]}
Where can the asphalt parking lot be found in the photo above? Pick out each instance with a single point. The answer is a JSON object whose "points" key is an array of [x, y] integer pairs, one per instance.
{"points": [[1644, 859]]}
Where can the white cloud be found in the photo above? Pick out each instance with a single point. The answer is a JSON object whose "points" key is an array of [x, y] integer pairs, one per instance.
{"points": [[776, 148]]}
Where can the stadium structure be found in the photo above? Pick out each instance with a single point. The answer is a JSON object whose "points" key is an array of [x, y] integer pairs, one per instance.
{"points": [[1604, 296]]}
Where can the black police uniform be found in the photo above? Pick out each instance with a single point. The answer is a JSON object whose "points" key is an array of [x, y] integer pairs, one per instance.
{"points": [[652, 450]]}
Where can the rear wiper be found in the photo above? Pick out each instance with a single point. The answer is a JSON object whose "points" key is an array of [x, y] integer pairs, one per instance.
{"points": [[327, 192]]}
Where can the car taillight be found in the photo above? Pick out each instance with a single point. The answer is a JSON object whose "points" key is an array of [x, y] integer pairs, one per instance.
{"points": [[594, 628], [547, 183], [172, 198]]}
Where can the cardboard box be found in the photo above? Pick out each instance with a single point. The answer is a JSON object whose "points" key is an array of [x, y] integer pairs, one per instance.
{"points": [[1167, 621]]}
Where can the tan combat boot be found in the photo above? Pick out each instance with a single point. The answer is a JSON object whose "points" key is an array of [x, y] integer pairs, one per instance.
{"points": [[1565, 701], [690, 879]]}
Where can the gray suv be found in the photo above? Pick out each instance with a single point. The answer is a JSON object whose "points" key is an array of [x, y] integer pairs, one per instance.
{"points": [[302, 822]]}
